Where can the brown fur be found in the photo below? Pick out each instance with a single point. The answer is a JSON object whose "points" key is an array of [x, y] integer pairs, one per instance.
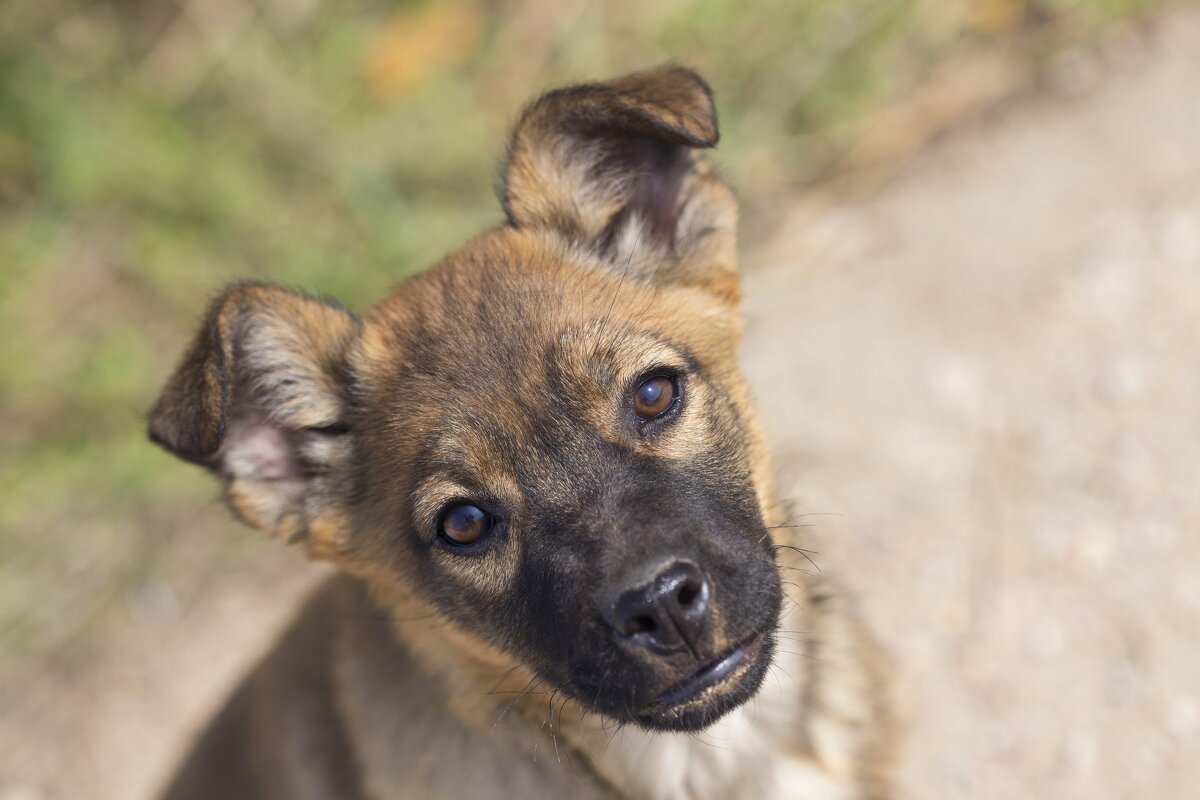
{"points": [[346, 434]]}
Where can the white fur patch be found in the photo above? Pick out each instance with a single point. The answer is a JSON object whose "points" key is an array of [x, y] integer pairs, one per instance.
{"points": [[755, 751]]}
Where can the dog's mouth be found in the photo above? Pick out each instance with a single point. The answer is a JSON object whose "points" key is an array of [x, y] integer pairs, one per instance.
{"points": [[710, 675], [717, 686]]}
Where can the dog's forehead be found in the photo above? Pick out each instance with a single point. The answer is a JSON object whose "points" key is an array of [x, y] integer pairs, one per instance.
{"points": [[508, 342], [503, 308]]}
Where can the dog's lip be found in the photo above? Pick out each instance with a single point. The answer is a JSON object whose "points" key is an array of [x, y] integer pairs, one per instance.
{"points": [[711, 673]]}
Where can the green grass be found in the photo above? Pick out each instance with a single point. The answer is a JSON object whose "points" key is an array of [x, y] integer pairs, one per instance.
{"points": [[150, 151]]}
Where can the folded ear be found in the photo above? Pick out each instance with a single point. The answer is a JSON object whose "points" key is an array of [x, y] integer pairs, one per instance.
{"points": [[613, 166], [261, 398]]}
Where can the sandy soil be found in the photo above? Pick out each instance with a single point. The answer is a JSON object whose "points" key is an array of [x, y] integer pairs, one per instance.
{"points": [[991, 372], [983, 383]]}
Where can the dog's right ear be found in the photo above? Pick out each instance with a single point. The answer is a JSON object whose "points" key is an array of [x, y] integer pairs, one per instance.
{"points": [[261, 398], [615, 167]]}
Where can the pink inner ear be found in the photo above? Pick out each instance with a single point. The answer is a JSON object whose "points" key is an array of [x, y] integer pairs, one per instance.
{"points": [[254, 448]]}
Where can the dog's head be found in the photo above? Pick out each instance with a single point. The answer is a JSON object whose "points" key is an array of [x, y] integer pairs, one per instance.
{"points": [[545, 438]]}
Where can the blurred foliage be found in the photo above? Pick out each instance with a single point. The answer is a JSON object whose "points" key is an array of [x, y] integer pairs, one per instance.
{"points": [[151, 150]]}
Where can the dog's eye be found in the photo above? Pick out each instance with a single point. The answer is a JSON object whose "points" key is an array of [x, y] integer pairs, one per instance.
{"points": [[653, 398], [464, 523]]}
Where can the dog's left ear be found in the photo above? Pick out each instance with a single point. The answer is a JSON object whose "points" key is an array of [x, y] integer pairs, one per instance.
{"points": [[614, 167]]}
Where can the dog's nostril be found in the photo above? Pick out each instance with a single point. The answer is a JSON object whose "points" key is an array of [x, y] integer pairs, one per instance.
{"points": [[666, 613]]}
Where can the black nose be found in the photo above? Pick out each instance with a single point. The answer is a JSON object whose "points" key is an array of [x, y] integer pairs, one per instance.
{"points": [[668, 613]]}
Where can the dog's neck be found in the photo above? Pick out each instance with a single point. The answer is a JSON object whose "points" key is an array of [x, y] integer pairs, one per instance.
{"points": [[755, 750]]}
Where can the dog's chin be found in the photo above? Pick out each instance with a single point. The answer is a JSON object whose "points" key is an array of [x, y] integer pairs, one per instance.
{"points": [[717, 687]]}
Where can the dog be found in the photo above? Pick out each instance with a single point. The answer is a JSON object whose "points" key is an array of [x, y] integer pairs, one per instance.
{"points": [[563, 569]]}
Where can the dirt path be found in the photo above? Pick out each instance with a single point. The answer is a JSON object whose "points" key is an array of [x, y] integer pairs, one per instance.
{"points": [[987, 374], [110, 725], [991, 371]]}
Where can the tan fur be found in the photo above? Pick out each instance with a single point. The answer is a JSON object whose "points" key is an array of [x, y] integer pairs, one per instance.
{"points": [[379, 692]]}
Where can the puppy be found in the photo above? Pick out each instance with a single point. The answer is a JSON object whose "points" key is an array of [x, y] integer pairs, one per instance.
{"points": [[538, 468]]}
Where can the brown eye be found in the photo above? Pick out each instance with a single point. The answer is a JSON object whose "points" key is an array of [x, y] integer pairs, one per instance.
{"points": [[464, 523], [653, 398]]}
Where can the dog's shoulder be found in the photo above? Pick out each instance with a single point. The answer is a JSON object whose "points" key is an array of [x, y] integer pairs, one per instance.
{"points": [[280, 734], [340, 708]]}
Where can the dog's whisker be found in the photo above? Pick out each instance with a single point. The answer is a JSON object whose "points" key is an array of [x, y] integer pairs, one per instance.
{"points": [[797, 569], [512, 703], [775, 668], [502, 678], [808, 554], [617, 289]]}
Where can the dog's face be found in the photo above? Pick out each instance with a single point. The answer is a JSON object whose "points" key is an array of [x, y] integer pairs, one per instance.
{"points": [[544, 439]]}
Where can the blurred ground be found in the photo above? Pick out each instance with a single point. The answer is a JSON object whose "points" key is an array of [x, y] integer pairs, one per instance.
{"points": [[990, 372], [983, 369]]}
